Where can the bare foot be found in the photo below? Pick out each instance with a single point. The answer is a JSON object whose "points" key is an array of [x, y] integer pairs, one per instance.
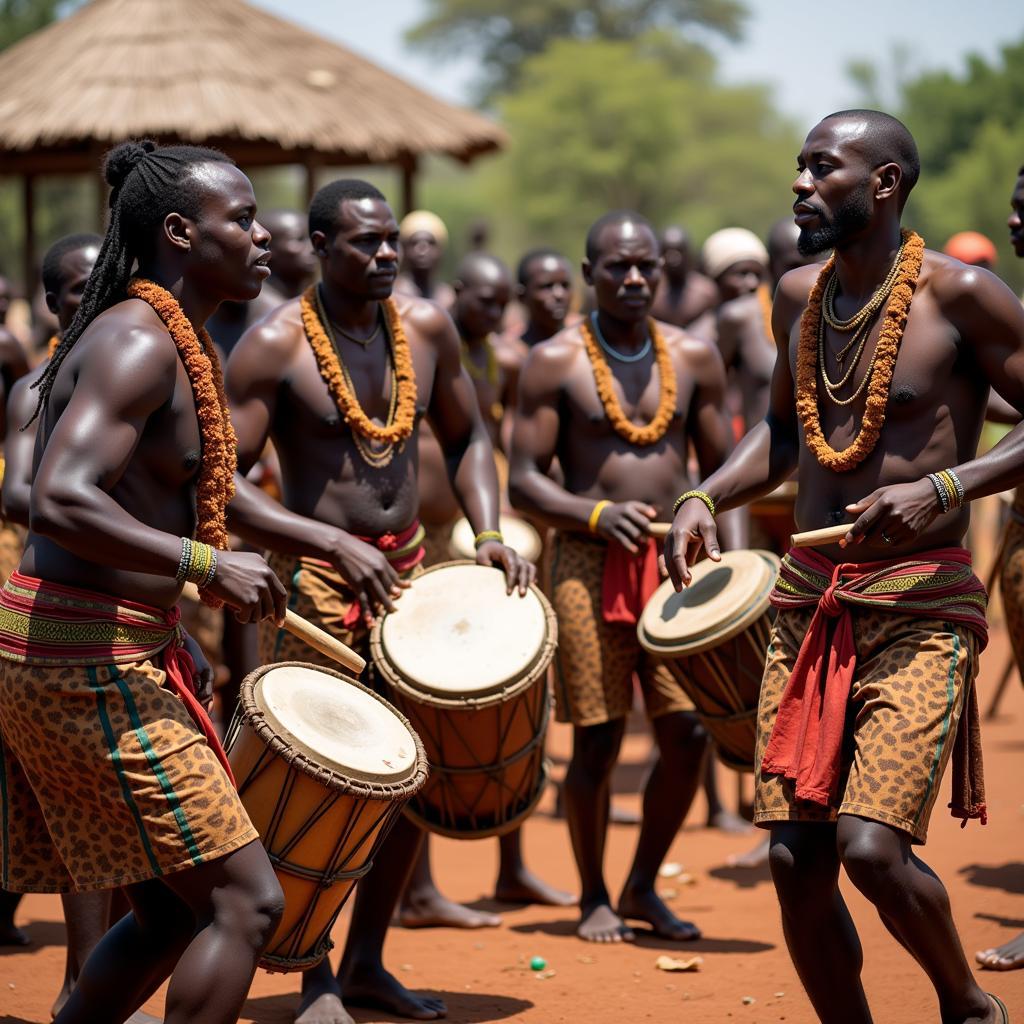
{"points": [[12, 936], [321, 999], [648, 906], [754, 858], [726, 821], [1007, 957], [429, 909], [525, 887], [602, 924], [374, 987]]}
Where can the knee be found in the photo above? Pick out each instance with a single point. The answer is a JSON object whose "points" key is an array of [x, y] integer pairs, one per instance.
{"points": [[682, 740], [253, 910], [804, 873], [596, 748], [869, 863]]}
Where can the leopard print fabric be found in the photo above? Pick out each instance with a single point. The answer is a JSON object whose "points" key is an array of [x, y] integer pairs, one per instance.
{"points": [[106, 780], [596, 660], [911, 681]]}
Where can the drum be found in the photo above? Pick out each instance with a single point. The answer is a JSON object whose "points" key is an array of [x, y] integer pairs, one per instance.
{"points": [[518, 533], [714, 639], [772, 519], [468, 664], [323, 766]]}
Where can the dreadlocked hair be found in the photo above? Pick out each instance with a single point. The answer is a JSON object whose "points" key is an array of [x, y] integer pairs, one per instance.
{"points": [[147, 182]]}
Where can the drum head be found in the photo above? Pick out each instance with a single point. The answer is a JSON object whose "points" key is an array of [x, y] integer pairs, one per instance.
{"points": [[456, 633], [722, 600], [518, 533], [336, 724]]}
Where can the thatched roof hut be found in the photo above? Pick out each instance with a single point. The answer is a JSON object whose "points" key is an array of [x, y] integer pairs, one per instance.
{"points": [[220, 73]]}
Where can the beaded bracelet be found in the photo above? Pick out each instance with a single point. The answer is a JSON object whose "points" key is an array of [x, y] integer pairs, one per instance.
{"points": [[953, 482], [940, 490], [701, 495], [485, 535], [201, 561], [212, 571], [186, 557], [595, 514]]}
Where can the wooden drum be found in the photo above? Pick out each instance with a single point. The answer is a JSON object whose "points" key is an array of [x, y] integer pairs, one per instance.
{"points": [[518, 533], [468, 664], [323, 766], [714, 638]]}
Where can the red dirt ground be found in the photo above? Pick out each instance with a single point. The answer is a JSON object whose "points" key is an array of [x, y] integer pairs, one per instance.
{"points": [[483, 975]]}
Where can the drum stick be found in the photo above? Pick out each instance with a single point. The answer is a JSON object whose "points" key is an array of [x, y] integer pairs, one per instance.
{"points": [[309, 634], [659, 529], [818, 538]]}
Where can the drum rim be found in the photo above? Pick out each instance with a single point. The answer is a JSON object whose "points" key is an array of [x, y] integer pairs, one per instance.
{"points": [[536, 669], [250, 714], [727, 631]]}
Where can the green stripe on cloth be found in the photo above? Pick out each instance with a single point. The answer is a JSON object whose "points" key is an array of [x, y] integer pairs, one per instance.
{"points": [[158, 769], [950, 695], [115, 757]]}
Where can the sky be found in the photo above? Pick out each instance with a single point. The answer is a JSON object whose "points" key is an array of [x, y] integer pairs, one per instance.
{"points": [[801, 51]]}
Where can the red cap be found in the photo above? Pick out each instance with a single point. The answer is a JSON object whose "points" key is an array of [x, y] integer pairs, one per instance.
{"points": [[970, 247]]}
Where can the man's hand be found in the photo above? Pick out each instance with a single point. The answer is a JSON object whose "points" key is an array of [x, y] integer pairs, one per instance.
{"points": [[245, 582], [693, 528], [519, 573], [626, 522], [204, 671], [895, 515], [370, 575]]}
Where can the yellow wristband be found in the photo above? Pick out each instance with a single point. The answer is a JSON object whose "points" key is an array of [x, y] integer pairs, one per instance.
{"points": [[485, 535], [595, 515]]}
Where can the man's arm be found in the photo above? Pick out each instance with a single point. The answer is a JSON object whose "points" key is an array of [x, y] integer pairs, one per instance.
{"points": [[534, 443], [19, 450], [252, 381], [128, 376], [469, 456], [13, 366]]}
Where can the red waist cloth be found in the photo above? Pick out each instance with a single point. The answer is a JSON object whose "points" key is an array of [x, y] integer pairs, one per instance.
{"points": [[629, 581], [45, 623], [404, 550], [806, 740]]}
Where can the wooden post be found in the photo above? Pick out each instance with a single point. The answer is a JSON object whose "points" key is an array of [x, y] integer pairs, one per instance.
{"points": [[408, 164], [29, 270], [310, 165]]}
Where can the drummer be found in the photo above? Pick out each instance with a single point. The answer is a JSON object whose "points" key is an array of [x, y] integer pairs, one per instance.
{"points": [[850, 764], [618, 398], [345, 430]]}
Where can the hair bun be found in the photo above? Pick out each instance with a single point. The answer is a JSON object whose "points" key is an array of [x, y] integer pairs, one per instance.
{"points": [[123, 159]]}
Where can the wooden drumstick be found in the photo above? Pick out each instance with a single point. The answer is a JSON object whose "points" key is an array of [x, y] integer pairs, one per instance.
{"points": [[659, 529], [309, 634], [818, 538]]}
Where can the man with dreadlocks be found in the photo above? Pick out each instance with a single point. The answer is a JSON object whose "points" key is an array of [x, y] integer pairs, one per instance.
{"points": [[339, 380], [133, 470]]}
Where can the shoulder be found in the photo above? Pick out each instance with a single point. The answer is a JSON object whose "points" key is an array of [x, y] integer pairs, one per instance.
{"points": [[427, 318], [510, 350], [738, 311], [278, 333], [796, 285], [702, 286], [127, 337], [969, 297], [700, 356]]}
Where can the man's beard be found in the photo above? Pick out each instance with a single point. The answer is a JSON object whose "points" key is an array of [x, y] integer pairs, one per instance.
{"points": [[852, 215]]}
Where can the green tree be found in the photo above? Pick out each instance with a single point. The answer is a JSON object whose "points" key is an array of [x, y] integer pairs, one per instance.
{"points": [[19, 18], [599, 125], [505, 35]]}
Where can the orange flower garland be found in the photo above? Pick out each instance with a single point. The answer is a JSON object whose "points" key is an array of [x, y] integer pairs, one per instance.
{"points": [[51, 346], [881, 368], [216, 485], [327, 361], [654, 431]]}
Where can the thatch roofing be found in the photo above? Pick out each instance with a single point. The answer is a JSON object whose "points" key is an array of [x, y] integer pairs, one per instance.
{"points": [[219, 72]]}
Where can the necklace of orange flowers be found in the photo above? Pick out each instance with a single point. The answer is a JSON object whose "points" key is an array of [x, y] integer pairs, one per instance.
{"points": [[218, 446], [402, 406], [878, 375], [650, 433]]}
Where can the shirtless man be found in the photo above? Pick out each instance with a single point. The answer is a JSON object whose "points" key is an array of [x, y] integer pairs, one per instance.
{"points": [[482, 292], [292, 262], [423, 237], [684, 294], [964, 333], [359, 489], [134, 792], [1010, 955], [619, 477], [544, 287]]}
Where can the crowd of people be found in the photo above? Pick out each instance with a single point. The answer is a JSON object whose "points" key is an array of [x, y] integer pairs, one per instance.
{"points": [[293, 410]]}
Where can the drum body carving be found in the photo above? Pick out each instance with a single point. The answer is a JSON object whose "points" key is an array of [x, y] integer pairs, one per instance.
{"points": [[468, 664], [714, 638], [323, 766], [518, 534]]}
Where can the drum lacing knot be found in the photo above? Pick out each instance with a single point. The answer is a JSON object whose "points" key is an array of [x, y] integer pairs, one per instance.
{"points": [[829, 604], [387, 542]]}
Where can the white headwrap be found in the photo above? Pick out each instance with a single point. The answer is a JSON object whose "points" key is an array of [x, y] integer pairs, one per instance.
{"points": [[729, 246], [423, 220]]}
